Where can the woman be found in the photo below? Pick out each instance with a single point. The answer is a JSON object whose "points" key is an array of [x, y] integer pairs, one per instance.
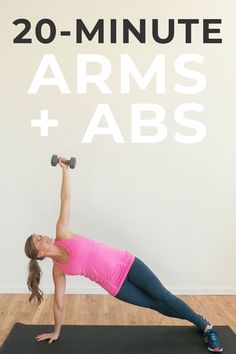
{"points": [[119, 272]]}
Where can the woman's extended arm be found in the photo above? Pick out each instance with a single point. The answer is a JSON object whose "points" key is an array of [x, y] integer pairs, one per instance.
{"points": [[65, 186], [63, 220]]}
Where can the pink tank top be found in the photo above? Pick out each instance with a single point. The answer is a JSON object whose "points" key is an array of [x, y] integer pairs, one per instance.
{"points": [[105, 265]]}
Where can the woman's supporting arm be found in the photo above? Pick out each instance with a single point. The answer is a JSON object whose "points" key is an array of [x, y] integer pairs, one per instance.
{"points": [[58, 317], [58, 304]]}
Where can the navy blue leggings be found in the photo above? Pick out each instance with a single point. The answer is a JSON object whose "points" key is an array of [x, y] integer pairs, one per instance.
{"points": [[142, 288]]}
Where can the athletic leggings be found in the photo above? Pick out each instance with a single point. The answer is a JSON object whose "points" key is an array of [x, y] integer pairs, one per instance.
{"points": [[142, 288]]}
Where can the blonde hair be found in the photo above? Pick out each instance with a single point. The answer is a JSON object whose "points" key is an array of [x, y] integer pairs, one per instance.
{"points": [[34, 269]]}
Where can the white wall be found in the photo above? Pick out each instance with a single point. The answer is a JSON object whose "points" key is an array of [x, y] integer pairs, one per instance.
{"points": [[171, 204]]}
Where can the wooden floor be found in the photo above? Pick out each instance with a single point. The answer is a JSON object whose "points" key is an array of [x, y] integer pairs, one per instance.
{"points": [[106, 310]]}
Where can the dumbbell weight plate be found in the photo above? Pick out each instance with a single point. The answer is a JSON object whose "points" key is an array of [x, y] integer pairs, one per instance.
{"points": [[54, 160], [72, 162]]}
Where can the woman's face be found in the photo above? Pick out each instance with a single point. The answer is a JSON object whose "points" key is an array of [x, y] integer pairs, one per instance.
{"points": [[42, 244]]}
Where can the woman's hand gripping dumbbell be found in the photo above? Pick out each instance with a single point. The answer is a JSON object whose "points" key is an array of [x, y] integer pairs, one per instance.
{"points": [[55, 160]]}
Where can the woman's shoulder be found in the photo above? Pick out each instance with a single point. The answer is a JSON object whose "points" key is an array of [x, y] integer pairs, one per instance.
{"points": [[65, 235]]}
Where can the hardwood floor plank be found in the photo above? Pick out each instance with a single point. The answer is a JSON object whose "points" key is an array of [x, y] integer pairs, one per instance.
{"points": [[107, 310]]}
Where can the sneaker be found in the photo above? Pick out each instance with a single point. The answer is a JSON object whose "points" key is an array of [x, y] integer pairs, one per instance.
{"points": [[206, 322], [211, 338]]}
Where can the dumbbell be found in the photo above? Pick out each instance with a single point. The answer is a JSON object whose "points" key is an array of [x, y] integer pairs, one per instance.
{"points": [[71, 162]]}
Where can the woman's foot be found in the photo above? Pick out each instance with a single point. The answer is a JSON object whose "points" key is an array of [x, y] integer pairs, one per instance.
{"points": [[211, 338], [209, 326]]}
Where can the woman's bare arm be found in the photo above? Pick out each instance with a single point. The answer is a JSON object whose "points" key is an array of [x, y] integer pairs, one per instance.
{"points": [[64, 215], [59, 293], [58, 306], [62, 225]]}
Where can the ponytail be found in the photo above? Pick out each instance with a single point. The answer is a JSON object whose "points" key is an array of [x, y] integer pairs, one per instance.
{"points": [[34, 277], [35, 271]]}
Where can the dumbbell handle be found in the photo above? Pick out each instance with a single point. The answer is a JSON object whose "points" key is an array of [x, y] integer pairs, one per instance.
{"points": [[66, 162]]}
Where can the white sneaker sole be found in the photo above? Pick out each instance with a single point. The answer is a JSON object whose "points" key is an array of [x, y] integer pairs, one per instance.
{"points": [[213, 350]]}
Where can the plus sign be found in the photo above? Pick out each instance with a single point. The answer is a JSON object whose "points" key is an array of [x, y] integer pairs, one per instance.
{"points": [[44, 123]]}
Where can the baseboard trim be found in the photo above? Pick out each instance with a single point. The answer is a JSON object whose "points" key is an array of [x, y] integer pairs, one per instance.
{"points": [[98, 290]]}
